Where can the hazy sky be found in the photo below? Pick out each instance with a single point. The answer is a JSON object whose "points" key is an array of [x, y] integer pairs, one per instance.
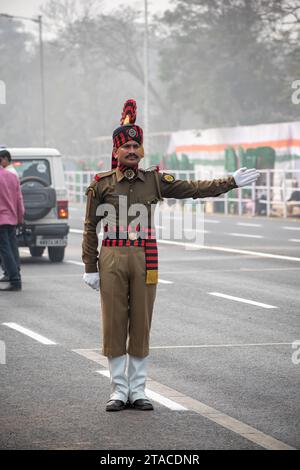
{"points": [[31, 7]]}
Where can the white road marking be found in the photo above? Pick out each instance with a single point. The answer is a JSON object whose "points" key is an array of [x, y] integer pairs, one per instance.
{"points": [[77, 263], [76, 230], [247, 224], [27, 332], [268, 269], [240, 299], [198, 230], [296, 240], [290, 228], [207, 221], [238, 427], [194, 271], [194, 246], [162, 281], [184, 229], [172, 405], [234, 234], [237, 345]]}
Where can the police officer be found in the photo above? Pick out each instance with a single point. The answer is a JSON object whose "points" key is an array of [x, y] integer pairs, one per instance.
{"points": [[128, 263]]}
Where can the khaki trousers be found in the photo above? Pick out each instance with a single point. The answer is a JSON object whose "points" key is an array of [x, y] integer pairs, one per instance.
{"points": [[126, 301]]}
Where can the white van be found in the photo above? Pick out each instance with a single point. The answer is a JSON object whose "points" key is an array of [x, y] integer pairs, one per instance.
{"points": [[44, 191]]}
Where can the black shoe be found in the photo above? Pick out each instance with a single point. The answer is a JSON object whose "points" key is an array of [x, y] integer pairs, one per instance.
{"points": [[4, 278], [12, 287], [142, 404], [115, 405]]}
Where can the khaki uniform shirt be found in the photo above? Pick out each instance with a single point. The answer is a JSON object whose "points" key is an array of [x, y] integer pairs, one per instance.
{"points": [[147, 188]]}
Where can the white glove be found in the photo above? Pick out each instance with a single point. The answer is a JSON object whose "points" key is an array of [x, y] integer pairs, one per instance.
{"points": [[92, 280], [244, 176]]}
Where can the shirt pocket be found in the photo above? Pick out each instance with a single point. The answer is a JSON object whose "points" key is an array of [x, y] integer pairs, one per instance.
{"points": [[147, 199], [149, 203]]}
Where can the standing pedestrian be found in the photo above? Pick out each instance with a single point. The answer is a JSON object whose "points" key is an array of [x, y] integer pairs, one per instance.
{"points": [[11, 214], [127, 268]]}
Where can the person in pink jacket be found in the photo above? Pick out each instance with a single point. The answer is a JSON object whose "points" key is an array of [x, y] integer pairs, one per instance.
{"points": [[11, 214]]}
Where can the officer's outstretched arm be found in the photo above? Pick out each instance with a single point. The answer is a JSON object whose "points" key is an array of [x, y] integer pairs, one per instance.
{"points": [[183, 189]]}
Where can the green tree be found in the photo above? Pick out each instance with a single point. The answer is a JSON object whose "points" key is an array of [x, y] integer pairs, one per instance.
{"points": [[220, 62]]}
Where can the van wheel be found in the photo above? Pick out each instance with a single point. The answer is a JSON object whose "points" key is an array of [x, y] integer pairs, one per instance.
{"points": [[36, 250], [56, 254]]}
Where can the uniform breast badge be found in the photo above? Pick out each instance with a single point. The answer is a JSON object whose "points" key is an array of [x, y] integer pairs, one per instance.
{"points": [[129, 174]]}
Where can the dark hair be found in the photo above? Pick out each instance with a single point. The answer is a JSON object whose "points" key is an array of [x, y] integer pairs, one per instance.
{"points": [[5, 154]]}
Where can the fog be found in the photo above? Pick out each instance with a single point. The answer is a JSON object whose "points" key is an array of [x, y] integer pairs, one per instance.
{"points": [[211, 64]]}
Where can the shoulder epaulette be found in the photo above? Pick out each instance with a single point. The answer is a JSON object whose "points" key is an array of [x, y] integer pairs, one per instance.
{"points": [[91, 187], [101, 175], [153, 168]]}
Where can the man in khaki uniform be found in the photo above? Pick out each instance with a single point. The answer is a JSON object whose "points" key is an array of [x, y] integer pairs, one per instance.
{"points": [[128, 262]]}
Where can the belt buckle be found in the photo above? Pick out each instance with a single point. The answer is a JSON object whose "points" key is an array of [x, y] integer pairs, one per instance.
{"points": [[132, 235]]}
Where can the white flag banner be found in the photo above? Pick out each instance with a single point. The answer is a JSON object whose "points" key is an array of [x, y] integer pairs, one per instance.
{"points": [[210, 144]]}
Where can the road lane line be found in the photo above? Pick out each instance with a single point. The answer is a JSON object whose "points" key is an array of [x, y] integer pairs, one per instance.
{"points": [[238, 427], [194, 246], [197, 230], [235, 234], [76, 230], [240, 299], [207, 221], [172, 405], [297, 240], [77, 263], [163, 281], [290, 228], [27, 332], [248, 224], [196, 346], [227, 270], [237, 345]]}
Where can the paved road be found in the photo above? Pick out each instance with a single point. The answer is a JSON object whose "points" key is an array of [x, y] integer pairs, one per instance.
{"points": [[221, 367]]}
